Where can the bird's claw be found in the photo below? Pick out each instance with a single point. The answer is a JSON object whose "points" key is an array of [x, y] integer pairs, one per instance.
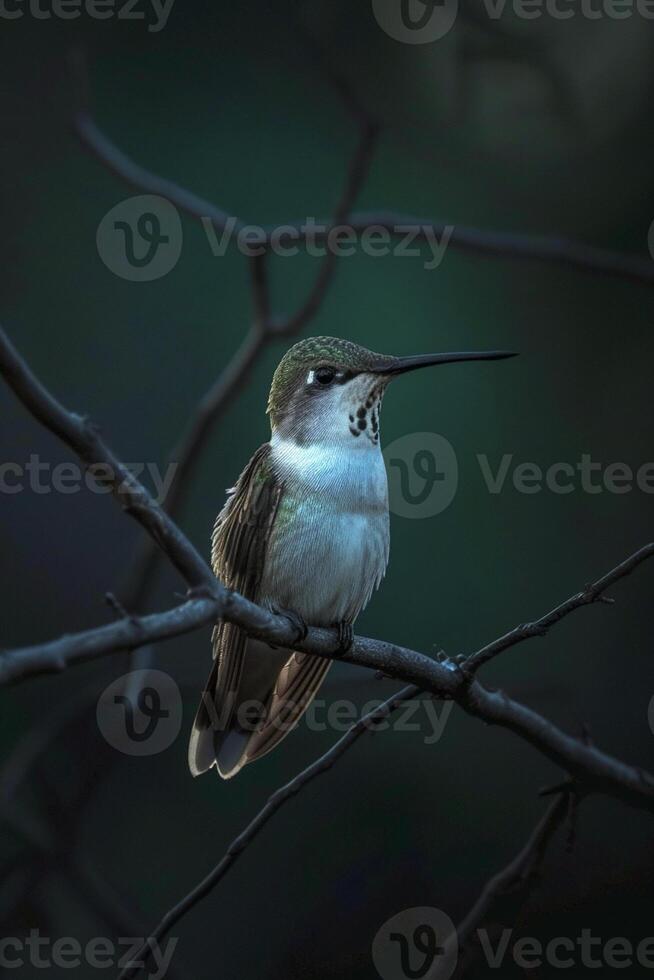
{"points": [[296, 622], [345, 632]]}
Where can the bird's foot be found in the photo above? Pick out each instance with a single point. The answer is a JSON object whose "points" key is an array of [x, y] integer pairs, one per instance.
{"points": [[345, 636], [296, 622]]}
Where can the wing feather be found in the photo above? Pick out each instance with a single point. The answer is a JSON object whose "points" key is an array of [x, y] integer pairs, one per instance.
{"points": [[238, 549], [283, 682]]}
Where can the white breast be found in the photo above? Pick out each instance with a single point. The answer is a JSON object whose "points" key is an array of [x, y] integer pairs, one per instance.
{"points": [[329, 546]]}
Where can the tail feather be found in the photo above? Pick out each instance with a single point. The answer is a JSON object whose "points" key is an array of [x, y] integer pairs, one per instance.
{"points": [[229, 731], [294, 691], [201, 755]]}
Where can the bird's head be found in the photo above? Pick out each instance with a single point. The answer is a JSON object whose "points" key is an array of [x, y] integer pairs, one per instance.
{"points": [[327, 390]]}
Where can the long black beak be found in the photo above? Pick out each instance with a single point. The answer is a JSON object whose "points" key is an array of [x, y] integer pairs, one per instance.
{"points": [[400, 365]]}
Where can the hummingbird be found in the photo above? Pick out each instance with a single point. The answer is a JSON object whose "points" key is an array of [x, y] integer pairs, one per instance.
{"points": [[305, 533]]}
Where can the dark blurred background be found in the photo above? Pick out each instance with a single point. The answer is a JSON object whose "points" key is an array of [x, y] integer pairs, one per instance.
{"points": [[541, 127]]}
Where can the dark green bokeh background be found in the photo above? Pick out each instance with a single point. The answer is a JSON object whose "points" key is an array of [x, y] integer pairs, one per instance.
{"points": [[547, 131]]}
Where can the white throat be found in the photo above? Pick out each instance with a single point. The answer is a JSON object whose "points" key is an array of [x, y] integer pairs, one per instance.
{"points": [[348, 472]]}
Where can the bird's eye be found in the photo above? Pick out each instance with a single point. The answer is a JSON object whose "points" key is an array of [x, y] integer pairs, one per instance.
{"points": [[325, 375]]}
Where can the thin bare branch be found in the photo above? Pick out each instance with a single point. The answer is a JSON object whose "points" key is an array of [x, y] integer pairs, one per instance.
{"points": [[511, 245], [543, 248], [185, 457], [588, 769], [128, 634], [517, 878], [520, 871], [540, 627], [592, 769], [245, 838], [141, 179], [96, 893], [265, 329], [85, 440], [357, 173], [260, 292]]}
